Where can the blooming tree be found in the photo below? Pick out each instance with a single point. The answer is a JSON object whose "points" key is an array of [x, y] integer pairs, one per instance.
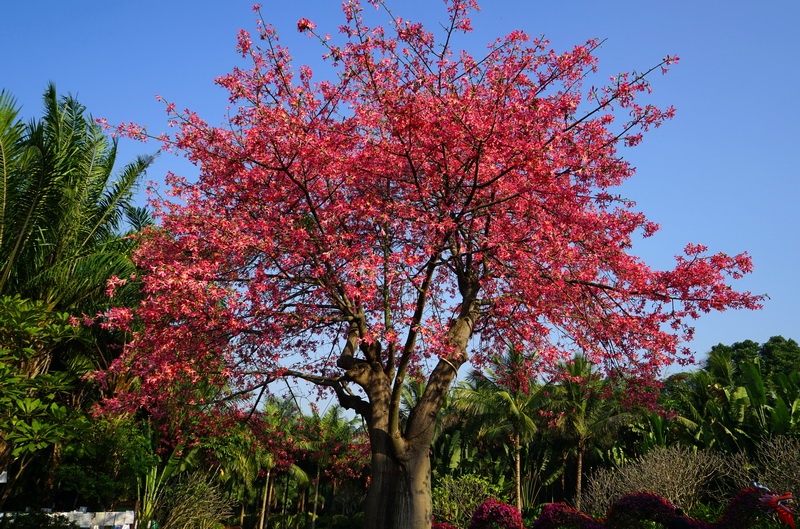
{"points": [[421, 209]]}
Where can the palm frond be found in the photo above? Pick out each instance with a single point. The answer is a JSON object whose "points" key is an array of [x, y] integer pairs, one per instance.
{"points": [[12, 132], [59, 241]]}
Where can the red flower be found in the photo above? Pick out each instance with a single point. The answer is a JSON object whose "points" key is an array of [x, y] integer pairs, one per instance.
{"points": [[304, 25]]}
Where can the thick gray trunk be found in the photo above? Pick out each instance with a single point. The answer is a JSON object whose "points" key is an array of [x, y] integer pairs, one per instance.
{"points": [[399, 495]]}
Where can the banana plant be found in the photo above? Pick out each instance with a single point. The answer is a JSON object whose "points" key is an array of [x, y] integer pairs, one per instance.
{"points": [[153, 487]]}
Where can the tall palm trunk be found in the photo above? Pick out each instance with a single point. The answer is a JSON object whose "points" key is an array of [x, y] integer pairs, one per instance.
{"points": [[265, 503], [301, 507], [316, 499], [518, 469], [579, 479]]}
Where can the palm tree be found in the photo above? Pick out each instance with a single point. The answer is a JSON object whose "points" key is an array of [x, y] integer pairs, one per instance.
{"points": [[331, 437], [724, 404], [240, 459], [66, 219], [62, 229], [585, 415], [62, 207], [504, 409]]}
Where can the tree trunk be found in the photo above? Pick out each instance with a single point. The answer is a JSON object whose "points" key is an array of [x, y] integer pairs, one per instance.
{"points": [[264, 518], [12, 476], [316, 499], [399, 495], [579, 480], [284, 508], [301, 507], [518, 469]]}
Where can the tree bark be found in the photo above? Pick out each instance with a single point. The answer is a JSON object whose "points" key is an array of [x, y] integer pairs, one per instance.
{"points": [[264, 518], [579, 480], [399, 495]]}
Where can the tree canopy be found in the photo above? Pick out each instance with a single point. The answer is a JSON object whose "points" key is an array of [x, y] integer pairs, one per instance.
{"points": [[420, 209]]}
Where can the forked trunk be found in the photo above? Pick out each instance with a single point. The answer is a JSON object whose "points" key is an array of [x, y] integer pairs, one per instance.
{"points": [[399, 495]]}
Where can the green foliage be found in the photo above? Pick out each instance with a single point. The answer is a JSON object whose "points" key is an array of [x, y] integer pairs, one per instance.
{"points": [[340, 521], [502, 405], [776, 355], [108, 462], [61, 205], [738, 397], [32, 415], [65, 221], [240, 459], [456, 498], [37, 520], [541, 470], [588, 417], [154, 490]]}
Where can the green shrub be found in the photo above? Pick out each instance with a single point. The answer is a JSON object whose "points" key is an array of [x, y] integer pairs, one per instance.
{"points": [[456, 498], [341, 521], [37, 520]]}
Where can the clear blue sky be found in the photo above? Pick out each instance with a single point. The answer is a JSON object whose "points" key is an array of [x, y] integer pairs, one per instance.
{"points": [[724, 172]]}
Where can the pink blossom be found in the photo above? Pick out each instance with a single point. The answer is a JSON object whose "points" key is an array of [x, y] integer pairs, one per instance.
{"points": [[304, 25]]}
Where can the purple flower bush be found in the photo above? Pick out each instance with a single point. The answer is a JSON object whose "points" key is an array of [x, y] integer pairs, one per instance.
{"points": [[493, 514]]}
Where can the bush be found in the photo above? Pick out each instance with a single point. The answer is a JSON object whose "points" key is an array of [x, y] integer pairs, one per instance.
{"points": [[194, 502], [37, 520], [493, 514], [776, 464], [456, 498], [341, 521], [681, 475]]}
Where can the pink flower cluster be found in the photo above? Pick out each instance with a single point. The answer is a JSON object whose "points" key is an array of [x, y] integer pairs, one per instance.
{"points": [[493, 514]]}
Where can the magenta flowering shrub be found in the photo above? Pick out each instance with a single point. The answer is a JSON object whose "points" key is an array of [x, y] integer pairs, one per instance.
{"points": [[493, 514], [442, 525], [562, 516]]}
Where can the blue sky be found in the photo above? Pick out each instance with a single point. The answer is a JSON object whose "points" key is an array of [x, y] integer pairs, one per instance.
{"points": [[723, 173]]}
